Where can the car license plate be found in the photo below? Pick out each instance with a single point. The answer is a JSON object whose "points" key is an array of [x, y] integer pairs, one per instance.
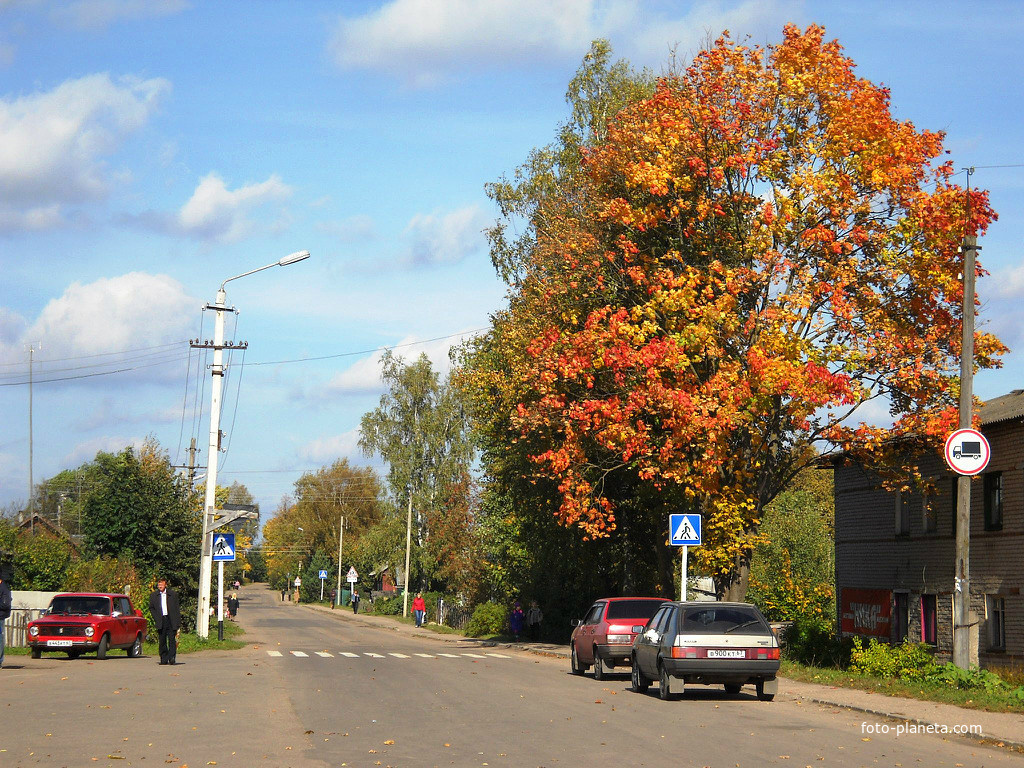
{"points": [[721, 653], [58, 643]]}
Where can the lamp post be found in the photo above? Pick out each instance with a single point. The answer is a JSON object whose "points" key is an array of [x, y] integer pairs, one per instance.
{"points": [[217, 371]]}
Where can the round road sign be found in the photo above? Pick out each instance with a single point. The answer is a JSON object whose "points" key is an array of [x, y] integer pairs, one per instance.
{"points": [[967, 451]]}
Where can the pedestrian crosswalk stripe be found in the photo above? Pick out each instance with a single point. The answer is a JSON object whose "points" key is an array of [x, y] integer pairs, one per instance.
{"points": [[425, 655], [497, 655], [474, 655], [398, 655], [274, 653], [300, 654], [375, 655], [393, 654], [449, 655], [325, 654], [350, 655]]}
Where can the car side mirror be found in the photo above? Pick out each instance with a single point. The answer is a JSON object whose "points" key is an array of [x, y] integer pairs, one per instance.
{"points": [[636, 629], [575, 622]]}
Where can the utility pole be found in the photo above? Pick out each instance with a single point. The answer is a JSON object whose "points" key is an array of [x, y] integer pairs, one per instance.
{"points": [[341, 539], [31, 351], [962, 573]]}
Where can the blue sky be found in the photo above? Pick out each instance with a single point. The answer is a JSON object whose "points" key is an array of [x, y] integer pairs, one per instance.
{"points": [[149, 149]]}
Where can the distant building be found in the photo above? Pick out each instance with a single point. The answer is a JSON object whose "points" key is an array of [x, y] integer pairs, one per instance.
{"points": [[895, 552]]}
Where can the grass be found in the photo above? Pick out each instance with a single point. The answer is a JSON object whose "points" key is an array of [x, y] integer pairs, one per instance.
{"points": [[187, 643], [990, 701]]}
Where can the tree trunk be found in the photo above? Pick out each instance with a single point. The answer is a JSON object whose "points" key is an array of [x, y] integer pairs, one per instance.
{"points": [[733, 588]]}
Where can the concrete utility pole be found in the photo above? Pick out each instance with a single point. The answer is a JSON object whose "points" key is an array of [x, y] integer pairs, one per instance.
{"points": [[31, 504], [341, 539], [962, 574], [210, 520]]}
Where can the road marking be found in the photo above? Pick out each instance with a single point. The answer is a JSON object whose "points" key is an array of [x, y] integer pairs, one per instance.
{"points": [[375, 655], [300, 654], [350, 655], [497, 655], [449, 655], [398, 655], [274, 653], [474, 655], [325, 654], [425, 655]]}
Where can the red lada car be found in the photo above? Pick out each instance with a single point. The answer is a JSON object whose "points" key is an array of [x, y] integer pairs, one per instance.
{"points": [[83, 622], [604, 639]]}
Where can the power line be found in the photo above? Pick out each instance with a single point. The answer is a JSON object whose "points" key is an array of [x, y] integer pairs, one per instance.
{"points": [[89, 375], [99, 354], [368, 351]]}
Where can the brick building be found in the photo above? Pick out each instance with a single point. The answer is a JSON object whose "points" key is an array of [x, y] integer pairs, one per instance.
{"points": [[895, 551]]}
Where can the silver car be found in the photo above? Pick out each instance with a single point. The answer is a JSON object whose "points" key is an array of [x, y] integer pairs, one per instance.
{"points": [[729, 644]]}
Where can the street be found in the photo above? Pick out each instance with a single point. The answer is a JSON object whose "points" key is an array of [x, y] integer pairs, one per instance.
{"points": [[319, 688]]}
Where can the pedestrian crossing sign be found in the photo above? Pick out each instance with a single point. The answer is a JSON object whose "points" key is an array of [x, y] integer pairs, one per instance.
{"points": [[323, 574], [223, 547], [684, 530]]}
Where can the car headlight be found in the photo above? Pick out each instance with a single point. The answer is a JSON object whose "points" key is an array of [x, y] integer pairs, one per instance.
{"points": [[34, 631], [621, 639], [90, 631]]}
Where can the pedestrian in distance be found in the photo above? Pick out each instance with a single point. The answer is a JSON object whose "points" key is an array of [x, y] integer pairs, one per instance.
{"points": [[515, 621], [163, 606], [5, 611], [355, 601], [533, 619], [419, 608], [233, 606]]}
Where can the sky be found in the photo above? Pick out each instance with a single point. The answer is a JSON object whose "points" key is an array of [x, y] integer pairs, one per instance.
{"points": [[151, 149]]}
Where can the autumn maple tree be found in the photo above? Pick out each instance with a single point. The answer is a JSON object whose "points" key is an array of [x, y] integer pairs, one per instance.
{"points": [[745, 258]]}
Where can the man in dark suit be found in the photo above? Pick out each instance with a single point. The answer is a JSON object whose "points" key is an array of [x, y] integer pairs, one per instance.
{"points": [[163, 606]]}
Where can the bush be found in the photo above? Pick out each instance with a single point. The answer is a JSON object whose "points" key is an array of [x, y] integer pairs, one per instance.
{"points": [[387, 606], [908, 661], [813, 643], [488, 619]]}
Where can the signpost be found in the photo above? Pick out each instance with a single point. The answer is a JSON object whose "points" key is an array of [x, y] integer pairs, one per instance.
{"points": [[223, 552], [684, 531], [967, 451], [323, 578], [352, 576]]}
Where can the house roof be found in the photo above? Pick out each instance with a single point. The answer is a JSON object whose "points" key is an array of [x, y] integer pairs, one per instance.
{"points": [[1003, 408]]}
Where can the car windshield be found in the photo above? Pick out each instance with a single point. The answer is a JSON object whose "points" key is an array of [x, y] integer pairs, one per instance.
{"points": [[723, 620], [80, 605], [633, 609]]}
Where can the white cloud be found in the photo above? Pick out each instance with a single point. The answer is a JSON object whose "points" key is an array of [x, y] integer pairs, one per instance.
{"points": [[111, 413], [128, 312], [1007, 283], [423, 42], [446, 238], [353, 229], [86, 451], [215, 212], [364, 376], [100, 14], [53, 144], [325, 449]]}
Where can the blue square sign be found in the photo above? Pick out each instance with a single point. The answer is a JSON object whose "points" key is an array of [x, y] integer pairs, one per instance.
{"points": [[684, 530], [223, 547]]}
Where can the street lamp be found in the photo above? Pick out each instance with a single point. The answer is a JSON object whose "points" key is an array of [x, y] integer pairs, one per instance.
{"points": [[217, 371]]}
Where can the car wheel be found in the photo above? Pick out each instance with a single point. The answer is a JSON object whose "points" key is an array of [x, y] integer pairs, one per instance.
{"points": [[600, 671], [664, 683], [639, 680], [37, 653], [761, 695], [101, 650], [574, 661], [136, 648], [732, 688]]}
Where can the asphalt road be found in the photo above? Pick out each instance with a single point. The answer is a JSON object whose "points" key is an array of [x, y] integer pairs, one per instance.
{"points": [[319, 689]]}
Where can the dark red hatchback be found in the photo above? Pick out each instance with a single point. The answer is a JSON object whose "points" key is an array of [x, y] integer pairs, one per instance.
{"points": [[604, 638]]}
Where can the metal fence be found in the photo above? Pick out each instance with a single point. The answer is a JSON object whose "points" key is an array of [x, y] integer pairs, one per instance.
{"points": [[452, 614], [14, 627]]}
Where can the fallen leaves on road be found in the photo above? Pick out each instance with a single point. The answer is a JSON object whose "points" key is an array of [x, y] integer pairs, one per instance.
{"points": [[390, 741]]}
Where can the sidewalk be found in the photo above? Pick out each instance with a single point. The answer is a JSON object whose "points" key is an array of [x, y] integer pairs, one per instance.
{"points": [[1003, 728]]}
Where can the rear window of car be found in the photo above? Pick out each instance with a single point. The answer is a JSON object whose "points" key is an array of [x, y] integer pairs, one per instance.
{"points": [[80, 605], [723, 620], [633, 609]]}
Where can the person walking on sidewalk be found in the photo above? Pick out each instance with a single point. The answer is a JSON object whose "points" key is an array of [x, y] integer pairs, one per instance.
{"points": [[5, 611], [419, 608], [355, 601], [515, 621], [533, 619]]}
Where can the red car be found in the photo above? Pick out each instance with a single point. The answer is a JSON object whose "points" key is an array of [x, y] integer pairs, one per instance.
{"points": [[83, 622], [604, 638]]}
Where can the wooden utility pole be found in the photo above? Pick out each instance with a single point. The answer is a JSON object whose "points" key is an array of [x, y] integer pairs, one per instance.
{"points": [[962, 573]]}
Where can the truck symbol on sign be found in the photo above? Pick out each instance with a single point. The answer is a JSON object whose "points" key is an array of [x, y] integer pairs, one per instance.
{"points": [[968, 449]]}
